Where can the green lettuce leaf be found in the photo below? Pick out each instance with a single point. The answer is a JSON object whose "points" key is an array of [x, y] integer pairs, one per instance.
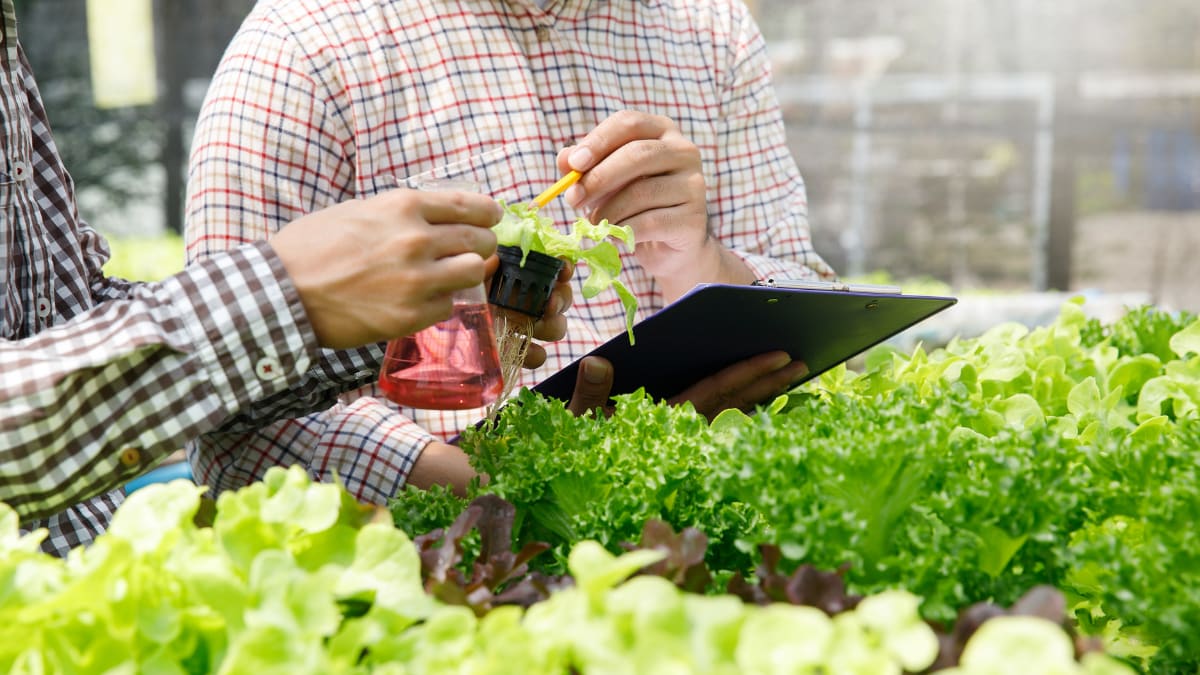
{"points": [[523, 227]]}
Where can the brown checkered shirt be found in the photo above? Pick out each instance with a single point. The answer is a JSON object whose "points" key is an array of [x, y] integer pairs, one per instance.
{"points": [[101, 378]]}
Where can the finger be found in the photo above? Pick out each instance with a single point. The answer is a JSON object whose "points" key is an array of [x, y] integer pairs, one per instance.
{"points": [[491, 265], [738, 386], [535, 356], [561, 296], [651, 194], [515, 321], [613, 133], [766, 388], [566, 271], [466, 208], [592, 385], [552, 325], [451, 240], [626, 166], [561, 161], [672, 154], [550, 328], [454, 273]]}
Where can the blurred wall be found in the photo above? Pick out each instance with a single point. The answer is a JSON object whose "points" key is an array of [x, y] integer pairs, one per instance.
{"points": [[1004, 144], [999, 143]]}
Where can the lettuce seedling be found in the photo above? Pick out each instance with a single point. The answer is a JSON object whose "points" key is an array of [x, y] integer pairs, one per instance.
{"points": [[523, 227]]}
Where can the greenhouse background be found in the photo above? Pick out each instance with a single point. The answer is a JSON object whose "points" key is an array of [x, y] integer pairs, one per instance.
{"points": [[1009, 146]]}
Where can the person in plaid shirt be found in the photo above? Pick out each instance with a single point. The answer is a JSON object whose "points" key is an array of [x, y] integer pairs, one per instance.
{"points": [[101, 378], [666, 105]]}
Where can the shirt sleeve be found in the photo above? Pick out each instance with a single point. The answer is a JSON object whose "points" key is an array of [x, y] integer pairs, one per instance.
{"points": [[272, 143], [758, 207], [361, 442], [95, 401]]}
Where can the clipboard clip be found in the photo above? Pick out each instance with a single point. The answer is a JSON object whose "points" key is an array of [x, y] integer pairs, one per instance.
{"points": [[816, 285]]}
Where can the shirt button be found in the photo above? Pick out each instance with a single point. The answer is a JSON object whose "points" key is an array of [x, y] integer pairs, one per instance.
{"points": [[20, 171], [543, 33], [131, 457], [268, 368], [43, 308]]}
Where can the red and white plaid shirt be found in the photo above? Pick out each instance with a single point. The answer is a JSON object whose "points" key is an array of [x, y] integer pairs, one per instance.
{"points": [[316, 101], [100, 379]]}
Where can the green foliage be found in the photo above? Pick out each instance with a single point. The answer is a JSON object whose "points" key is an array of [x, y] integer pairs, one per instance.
{"points": [[521, 226], [262, 591], [576, 478], [904, 491], [1139, 575], [967, 474], [145, 258], [939, 480], [295, 577], [1145, 330]]}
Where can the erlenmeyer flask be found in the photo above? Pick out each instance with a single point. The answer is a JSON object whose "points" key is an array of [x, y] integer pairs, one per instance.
{"points": [[453, 364]]}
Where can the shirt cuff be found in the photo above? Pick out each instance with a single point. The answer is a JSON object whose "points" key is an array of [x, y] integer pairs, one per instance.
{"points": [[246, 324], [368, 447], [765, 267]]}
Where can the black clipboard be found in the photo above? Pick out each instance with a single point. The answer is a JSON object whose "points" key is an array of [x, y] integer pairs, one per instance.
{"points": [[716, 325]]}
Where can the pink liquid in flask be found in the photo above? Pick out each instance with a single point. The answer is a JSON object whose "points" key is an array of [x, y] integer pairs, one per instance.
{"points": [[451, 365]]}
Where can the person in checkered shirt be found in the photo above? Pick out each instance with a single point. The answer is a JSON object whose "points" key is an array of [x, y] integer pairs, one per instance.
{"points": [[101, 378], [665, 105]]}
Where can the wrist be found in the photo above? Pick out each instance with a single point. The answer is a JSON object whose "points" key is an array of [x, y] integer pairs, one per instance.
{"points": [[442, 464], [711, 263]]}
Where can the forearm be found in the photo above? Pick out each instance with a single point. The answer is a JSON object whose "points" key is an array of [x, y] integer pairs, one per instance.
{"points": [[93, 402], [364, 443], [442, 464]]}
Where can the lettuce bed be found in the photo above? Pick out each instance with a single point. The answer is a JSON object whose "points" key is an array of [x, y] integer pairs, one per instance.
{"points": [[1006, 504], [294, 577], [1066, 455]]}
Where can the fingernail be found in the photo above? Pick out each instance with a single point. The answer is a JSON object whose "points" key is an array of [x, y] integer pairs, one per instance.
{"points": [[594, 372], [781, 361], [580, 159], [575, 195], [799, 371]]}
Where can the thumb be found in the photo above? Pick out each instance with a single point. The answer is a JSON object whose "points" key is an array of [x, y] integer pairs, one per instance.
{"points": [[561, 160], [593, 383]]}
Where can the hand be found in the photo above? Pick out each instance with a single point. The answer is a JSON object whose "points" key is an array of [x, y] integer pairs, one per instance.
{"points": [[444, 464], [374, 269], [552, 325], [593, 383], [742, 385], [639, 170]]}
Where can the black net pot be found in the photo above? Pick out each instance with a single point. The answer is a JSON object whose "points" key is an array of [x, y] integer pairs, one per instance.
{"points": [[524, 288]]}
